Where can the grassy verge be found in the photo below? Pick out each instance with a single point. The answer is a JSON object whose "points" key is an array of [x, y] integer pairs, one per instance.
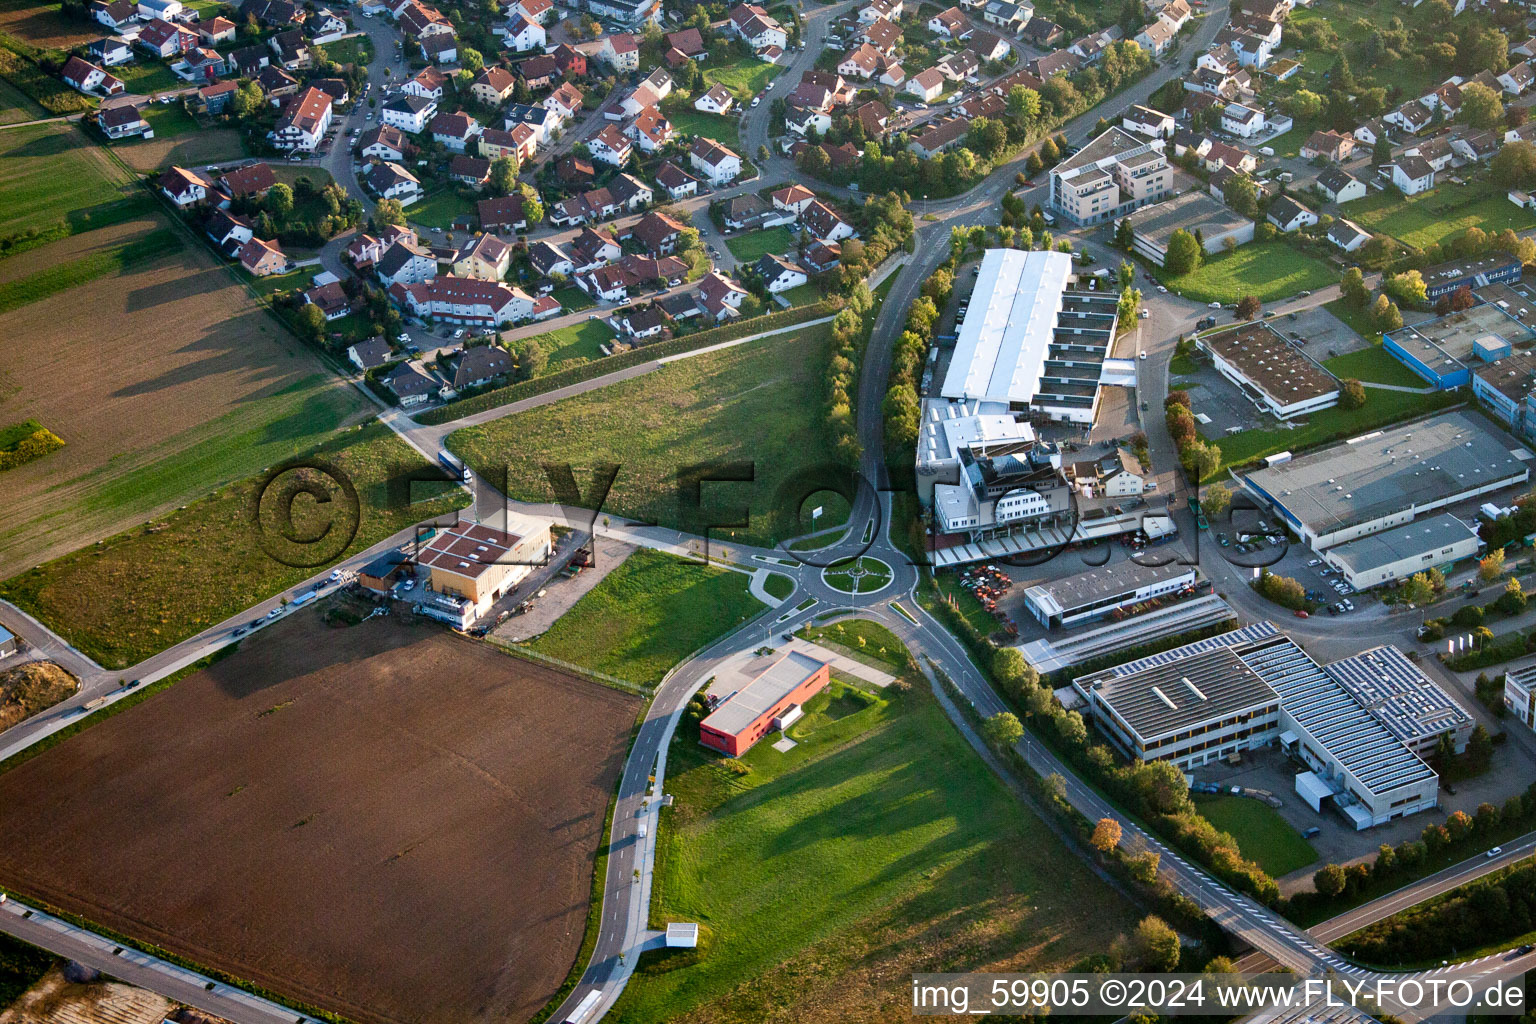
{"points": [[878, 846], [862, 640], [63, 276], [1261, 834], [1375, 365], [149, 588], [778, 585], [649, 614], [757, 404], [1439, 214], [963, 601], [749, 247], [1266, 270], [47, 92]]}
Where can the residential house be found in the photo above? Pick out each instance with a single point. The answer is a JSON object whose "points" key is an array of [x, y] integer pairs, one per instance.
{"points": [[1156, 36], [540, 12], [950, 24], [779, 274], [303, 121], [610, 146], [118, 15], [1347, 235], [935, 137], [1092, 46], [454, 131], [659, 233], [123, 121], [183, 187], [1330, 145], [804, 120], [875, 10], [1339, 186], [643, 322], [109, 52], [252, 181], [874, 116], [793, 199], [823, 222], [520, 143], [86, 77], [405, 261], [630, 192], [368, 354], [486, 258], [391, 181], [1477, 147], [428, 83], [1436, 152], [229, 231], [473, 171], [1242, 121], [1057, 62], [465, 300], [570, 60], [1152, 123], [1042, 32], [565, 102], [493, 86], [1412, 174], [720, 296], [714, 161], [821, 256], [714, 100], [598, 204], [524, 35], [650, 130], [689, 42], [505, 215], [1518, 78], [384, 142], [754, 25], [1287, 214], [883, 35], [550, 259], [408, 113], [1412, 117], [262, 258], [748, 212], [620, 51], [330, 299], [591, 249], [479, 366], [609, 284], [215, 99], [291, 48], [678, 182], [165, 40], [1009, 16], [958, 67], [926, 85], [410, 385], [989, 47], [1371, 131]]}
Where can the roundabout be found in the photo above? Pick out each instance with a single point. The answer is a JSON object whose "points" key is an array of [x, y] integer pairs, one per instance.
{"points": [[862, 575]]}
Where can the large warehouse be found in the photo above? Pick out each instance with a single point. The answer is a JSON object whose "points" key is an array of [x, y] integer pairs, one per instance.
{"points": [[1028, 343], [1398, 553], [1276, 376], [1412, 706], [1444, 349], [1101, 592], [748, 707], [1385, 478], [1243, 689]]}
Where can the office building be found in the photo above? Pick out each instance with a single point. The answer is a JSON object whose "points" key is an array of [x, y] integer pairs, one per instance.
{"points": [[751, 704], [1109, 177], [1101, 592], [1520, 694]]}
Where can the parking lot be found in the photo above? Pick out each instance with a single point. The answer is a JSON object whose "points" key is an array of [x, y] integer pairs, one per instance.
{"points": [[1325, 335]]}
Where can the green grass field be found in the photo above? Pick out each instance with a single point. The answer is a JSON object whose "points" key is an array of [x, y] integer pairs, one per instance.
{"points": [[352, 50], [863, 640], [441, 210], [720, 127], [573, 345], [146, 76], [880, 845], [749, 247], [169, 121], [743, 78], [47, 176], [1262, 835], [778, 585], [1439, 214], [17, 106], [151, 587], [1380, 409], [649, 614], [573, 298], [1268, 270], [965, 602], [273, 283], [1373, 364], [759, 402], [803, 295], [62, 276], [862, 575]]}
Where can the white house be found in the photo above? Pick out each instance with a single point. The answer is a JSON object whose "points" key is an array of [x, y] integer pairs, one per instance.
{"points": [[524, 35], [304, 121], [716, 100], [1149, 122], [1339, 186], [926, 85], [1518, 78], [780, 275], [391, 181], [1243, 121], [714, 161], [1287, 214], [1347, 235], [408, 113], [1412, 174], [610, 146]]}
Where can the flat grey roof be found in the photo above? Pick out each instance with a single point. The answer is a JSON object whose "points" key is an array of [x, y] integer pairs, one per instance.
{"points": [[1389, 470], [1194, 210], [1106, 581], [1323, 707], [747, 704], [1167, 698], [1111, 143], [1410, 540], [1410, 704]]}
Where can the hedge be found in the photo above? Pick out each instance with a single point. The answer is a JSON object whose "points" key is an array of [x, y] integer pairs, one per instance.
{"points": [[634, 357], [30, 448]]}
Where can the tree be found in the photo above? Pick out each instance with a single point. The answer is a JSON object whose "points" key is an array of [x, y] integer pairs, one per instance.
{"points": [[1353, 288], [1512, 601], [1023, 104], [503, 175], [1407, 287], [1304, 104], [1329, 880], [1070, 728], [1242, 195], [247, 100], [1183, 255], [386, 213], [1049, 152], [1002, 730], [471, 60], [1417, 590], [279, 201], [1106, 835], [1385, 315], [1352, 394], [1481, 106], [533, 204], [1013, 673], [1491, 566], [1248, 307], [1381, 152], [311, 321], [1215, 499], [1156, 944], [1514, 166]]}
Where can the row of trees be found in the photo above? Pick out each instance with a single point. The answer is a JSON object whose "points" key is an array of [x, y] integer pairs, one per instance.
{"points": [[1200, 458], [1486, 913]]}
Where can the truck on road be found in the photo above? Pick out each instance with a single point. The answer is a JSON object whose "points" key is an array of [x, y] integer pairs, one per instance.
{"points": [[455, 466]]}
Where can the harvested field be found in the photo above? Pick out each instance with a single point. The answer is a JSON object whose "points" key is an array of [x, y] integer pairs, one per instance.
{"points": [[104, 260], [391, 822], [29, 688], [194, 386], [191, 149], [44, 25]]}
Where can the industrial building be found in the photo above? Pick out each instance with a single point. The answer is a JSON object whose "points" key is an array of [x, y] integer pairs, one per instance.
{"points": [[476, 564], [1520, 694], [1103, 591], [1400, 552], [1246, 688], [1506, 389], [748, 705], [1276, 376], [1062, 651], [1109, 177], [1384, 479], [1446, 278], [1193, 211], [1444, 349], [1411, 705], [1030, 343]]}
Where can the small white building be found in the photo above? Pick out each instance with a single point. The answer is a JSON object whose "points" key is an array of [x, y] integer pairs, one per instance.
{"points": [[1243, 121]]}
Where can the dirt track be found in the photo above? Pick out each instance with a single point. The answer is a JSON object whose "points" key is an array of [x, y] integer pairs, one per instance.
{"points": [[387, 821]]}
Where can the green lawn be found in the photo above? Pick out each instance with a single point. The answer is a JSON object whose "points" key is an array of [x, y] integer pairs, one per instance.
{"points": [[862, 639], [743, 78], [803, 295], [1268, 270], [1357, 320], [649, 614], [144, 590], [862, 575], [1336, 424], [1262, 835], [441, 210], [759, 402], [274, 283], [16, 106], [749, 247], [47, 176], [966, 603], [574, 345], [778, 585], [169, 120], [720, 127], [61, 276], [1410, 79], [573, 298], [352, 50], [148, 77], [880, 845], [1439, 214], [1373, 364]]}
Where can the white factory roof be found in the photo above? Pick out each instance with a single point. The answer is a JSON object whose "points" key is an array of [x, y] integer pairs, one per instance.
{"points": [[1007, 330]]}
